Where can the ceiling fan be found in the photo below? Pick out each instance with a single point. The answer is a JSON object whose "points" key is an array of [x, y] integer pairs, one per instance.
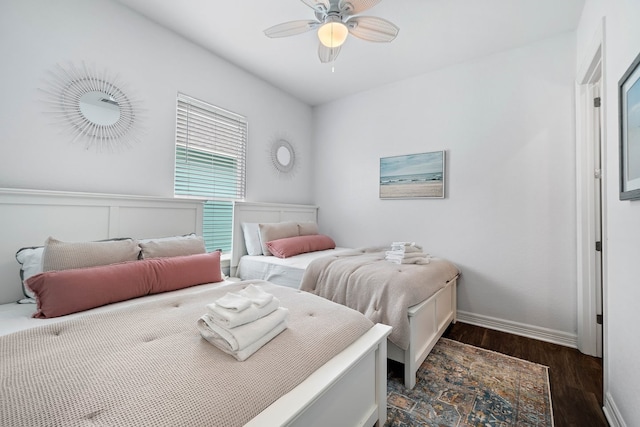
{"points": [[335, 20]]}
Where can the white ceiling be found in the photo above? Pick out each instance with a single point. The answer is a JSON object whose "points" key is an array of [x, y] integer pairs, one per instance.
{"points": [[433, 34]]}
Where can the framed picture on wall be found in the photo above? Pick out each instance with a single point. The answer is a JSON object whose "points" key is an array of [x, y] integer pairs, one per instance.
{"points": [[629, 87], [412, 176]]}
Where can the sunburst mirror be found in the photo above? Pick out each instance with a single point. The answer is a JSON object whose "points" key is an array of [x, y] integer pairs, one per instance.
{"points": [[93, 107], [283, 156]]}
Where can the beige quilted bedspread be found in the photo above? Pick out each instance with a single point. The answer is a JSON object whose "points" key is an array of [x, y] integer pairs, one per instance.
{"points": [[147, 365], [383, 291]]}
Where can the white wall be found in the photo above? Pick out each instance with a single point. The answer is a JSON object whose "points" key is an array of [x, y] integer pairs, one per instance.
{"points": [[621, 249], [508, 220], [154, 64]]}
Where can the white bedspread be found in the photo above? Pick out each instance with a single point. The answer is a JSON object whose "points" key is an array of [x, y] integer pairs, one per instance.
{"points": [[281, 271]]}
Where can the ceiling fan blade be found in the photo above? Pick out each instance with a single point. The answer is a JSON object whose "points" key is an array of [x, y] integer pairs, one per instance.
{"points": [[291, 28], [328, 54], [353, 7], [372, 29]]}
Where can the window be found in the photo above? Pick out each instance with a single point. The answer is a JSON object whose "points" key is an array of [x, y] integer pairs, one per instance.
{"points": [[210, 163]]}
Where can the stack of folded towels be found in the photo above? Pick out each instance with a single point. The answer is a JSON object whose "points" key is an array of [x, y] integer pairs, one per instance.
{"points": [[406, 253], [239, 323]]}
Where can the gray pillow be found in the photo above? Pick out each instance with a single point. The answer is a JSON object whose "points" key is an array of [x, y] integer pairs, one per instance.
{"points": [[60, 255], [172, 246], [274, 231], [308, 228]]}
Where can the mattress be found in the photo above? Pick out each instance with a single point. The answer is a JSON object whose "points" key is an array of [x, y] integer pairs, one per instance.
{"points": [[144, 362], [281, 271]]}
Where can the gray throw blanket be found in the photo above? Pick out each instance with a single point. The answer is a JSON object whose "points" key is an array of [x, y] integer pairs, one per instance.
{"points": [[383, 291]]}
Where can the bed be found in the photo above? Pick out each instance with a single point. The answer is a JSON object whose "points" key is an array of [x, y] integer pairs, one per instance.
{"points": [[119, 372], [424, 321]]}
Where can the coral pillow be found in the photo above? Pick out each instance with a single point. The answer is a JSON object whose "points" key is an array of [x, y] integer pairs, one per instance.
{"points": [[290, 246], [69, 291]]}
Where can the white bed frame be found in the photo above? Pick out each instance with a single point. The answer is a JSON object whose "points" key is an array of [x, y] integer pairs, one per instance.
{"points": [[427, 320], [350, 389]]}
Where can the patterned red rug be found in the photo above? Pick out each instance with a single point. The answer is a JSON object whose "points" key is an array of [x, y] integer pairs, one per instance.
{"points": [[461, 385]]}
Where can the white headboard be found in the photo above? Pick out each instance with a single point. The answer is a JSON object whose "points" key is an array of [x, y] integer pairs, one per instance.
{"points": [[264, 212], [28, 217]]}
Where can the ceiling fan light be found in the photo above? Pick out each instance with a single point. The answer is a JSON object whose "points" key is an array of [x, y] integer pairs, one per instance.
{"points": [[333, 34]]}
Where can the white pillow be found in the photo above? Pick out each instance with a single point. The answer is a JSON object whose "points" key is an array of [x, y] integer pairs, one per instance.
{"points": [[251, 232], [31, 264]]}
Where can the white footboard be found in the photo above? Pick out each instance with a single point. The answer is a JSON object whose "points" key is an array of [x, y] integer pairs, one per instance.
{"points": [[349, 390], [427, 322]]}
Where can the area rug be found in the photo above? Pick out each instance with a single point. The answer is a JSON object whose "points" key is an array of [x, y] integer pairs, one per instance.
{"points": [[462, 385]]}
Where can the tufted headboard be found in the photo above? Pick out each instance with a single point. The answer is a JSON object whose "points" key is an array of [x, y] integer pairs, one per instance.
{"points": [[264, 212], [28, 217]]}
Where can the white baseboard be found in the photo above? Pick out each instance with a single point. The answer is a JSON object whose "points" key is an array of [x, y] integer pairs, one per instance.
{"points": [[529, 331], [611, 412]]}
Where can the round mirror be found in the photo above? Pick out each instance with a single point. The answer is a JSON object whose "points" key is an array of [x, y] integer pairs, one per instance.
{"points": [[283, 156], [100, 108]]}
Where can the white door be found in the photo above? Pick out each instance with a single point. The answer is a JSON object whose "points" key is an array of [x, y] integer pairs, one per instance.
{"points": [[597, 211]]}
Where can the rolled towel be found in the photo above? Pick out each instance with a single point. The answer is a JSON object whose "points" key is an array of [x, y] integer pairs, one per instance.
{"points": [[256, 295], [234, 302], [231, 319], [242, 355], [241, 337]]}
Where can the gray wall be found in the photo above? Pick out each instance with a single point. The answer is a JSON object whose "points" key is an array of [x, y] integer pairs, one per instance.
{"points": [[508, 221], [154, 64], [622, 218]]}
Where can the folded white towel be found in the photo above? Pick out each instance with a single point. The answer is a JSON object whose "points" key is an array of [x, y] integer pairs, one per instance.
{"points": [[242, 355], [234, 302], [414, 260], [394, 255], [234, 340], [256, 295], [405, 244], [409, 248], [231, 319]]}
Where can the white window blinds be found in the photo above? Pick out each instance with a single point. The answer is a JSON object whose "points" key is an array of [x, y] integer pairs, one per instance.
{"points": [[210, 163]]}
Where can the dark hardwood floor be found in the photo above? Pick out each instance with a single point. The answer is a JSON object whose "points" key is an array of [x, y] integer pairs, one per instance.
{"points": [[575, 379]]}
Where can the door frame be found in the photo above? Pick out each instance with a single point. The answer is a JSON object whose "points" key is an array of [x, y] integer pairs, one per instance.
{"points": [[591, 70]]}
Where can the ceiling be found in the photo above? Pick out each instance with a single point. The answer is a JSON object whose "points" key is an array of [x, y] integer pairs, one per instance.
{"points": [[433, 34]]}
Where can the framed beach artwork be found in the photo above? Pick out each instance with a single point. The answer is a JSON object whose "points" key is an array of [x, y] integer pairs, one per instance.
{"points": [[629, 87], [412, 176]]}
